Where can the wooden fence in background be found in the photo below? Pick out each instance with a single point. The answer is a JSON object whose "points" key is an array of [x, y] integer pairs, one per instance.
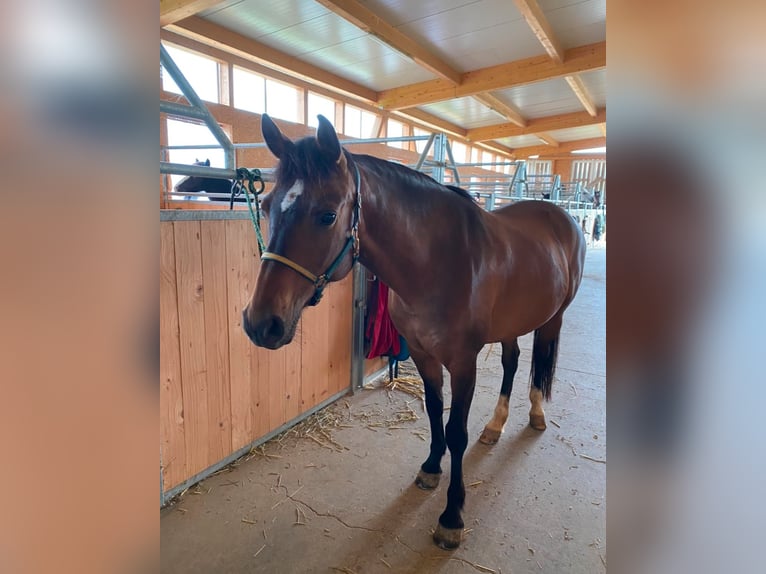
{"points": [[220, 393]]}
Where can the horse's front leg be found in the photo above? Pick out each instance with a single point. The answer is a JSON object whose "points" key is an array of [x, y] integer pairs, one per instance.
{"points": [[431, 372], [449, 531]]}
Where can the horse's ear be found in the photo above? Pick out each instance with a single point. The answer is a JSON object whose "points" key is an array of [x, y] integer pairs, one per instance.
{"points": [[275, 139], [328, 140]]}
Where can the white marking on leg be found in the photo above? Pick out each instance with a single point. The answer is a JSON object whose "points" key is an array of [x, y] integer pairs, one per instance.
{"points": [[536, 398], [501, 415], [292, 194]]}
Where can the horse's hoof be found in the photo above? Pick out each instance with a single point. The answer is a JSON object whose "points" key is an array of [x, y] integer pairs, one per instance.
{"points": [[537, 422], [427, 480], [489, 436], [447, 538]]}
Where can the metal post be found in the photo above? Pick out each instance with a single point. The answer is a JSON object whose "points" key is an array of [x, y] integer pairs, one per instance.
{"points": [[520, 178], [439, 154], [424, 155], [359, 299], [556, 191], [451, 164], [198, 106]]}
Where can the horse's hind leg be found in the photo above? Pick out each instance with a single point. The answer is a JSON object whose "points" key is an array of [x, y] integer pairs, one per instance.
{"points": [[431, 371], [544, 355], [494, 428]]}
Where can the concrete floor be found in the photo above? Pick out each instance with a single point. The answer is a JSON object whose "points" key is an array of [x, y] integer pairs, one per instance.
{"points": [[535, 504]]}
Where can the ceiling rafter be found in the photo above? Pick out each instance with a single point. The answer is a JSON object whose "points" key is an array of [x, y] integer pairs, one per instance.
{"points": [[431, 121], [578, 87], [541, 28], [508, 111], [548, 139], [537, 126], [496, 147], [216, 36], [564, 148], [172, 11], [365, 19], [502, 76]]}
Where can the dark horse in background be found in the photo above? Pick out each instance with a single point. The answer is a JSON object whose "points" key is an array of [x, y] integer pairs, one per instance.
{"points": [[460, 277], [195, 183]]}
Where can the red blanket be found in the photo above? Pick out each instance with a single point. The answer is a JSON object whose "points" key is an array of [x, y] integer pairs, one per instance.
{"points": [[384, 339]]}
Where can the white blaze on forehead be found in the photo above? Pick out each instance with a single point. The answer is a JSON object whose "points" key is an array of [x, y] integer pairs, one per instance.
{"points": [[292, 194]]}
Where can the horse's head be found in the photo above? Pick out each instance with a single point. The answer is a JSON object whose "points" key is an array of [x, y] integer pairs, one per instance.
{"points": [[311, 212], [192, 183]]}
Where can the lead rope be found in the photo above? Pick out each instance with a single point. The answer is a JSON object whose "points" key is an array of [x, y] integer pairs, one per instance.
{"points": [[238, 186]]}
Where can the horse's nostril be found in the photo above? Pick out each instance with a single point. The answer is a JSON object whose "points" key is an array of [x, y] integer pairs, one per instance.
{"points": [[270, 332]]}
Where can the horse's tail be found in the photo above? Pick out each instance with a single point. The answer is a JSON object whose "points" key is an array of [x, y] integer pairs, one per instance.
{"points": [[544, 356]]}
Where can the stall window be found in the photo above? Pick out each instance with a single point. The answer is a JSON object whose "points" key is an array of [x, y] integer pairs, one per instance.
{"points": [[249, 91], [320, 105], [395, 130], [358, 123], [283, 101], [182, 132], [199, 71], [459, 152]]}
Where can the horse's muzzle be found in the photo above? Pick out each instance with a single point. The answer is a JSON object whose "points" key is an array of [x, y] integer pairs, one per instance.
{"points": [[268, 332]]}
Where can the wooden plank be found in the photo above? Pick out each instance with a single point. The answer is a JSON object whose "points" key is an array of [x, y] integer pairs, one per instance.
{"points": [[578, 87], [172, 439], [261, 360], [216, 337], [292, 388], [548, 139], [431, 121], [175, 10], [240, 271], [340, 336], [502, 76], [191, 321], [314, 346], [211, 34], [508, 111], [564, 148], [536, 126], [541, 28], [365, 19], [276, 362]]}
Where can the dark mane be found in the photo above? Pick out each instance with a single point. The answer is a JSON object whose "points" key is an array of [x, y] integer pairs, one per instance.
{"points": [[413, 177], [305, 161]]}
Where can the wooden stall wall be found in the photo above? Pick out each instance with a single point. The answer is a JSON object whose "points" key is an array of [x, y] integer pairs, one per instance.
{"points": [[219, 392]]}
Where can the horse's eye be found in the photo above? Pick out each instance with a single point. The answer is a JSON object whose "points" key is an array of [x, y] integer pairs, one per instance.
{"points": [[327, 218]]}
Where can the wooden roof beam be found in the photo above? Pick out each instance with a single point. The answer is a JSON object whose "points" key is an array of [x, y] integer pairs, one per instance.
{"points": [[432, 121], [228, 41], [365, 19], [508, 111], [502, 76], [541, 28], [537, 126], [564, 148], [172, 11], [497, 148], [548, 139], [578, 87]]}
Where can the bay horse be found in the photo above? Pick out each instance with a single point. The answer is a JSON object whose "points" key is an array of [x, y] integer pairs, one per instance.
{"points": [[196, 183], [460, 277]]}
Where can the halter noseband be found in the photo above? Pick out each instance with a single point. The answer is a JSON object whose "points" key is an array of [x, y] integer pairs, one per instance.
{"points": [[321, 281]]}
